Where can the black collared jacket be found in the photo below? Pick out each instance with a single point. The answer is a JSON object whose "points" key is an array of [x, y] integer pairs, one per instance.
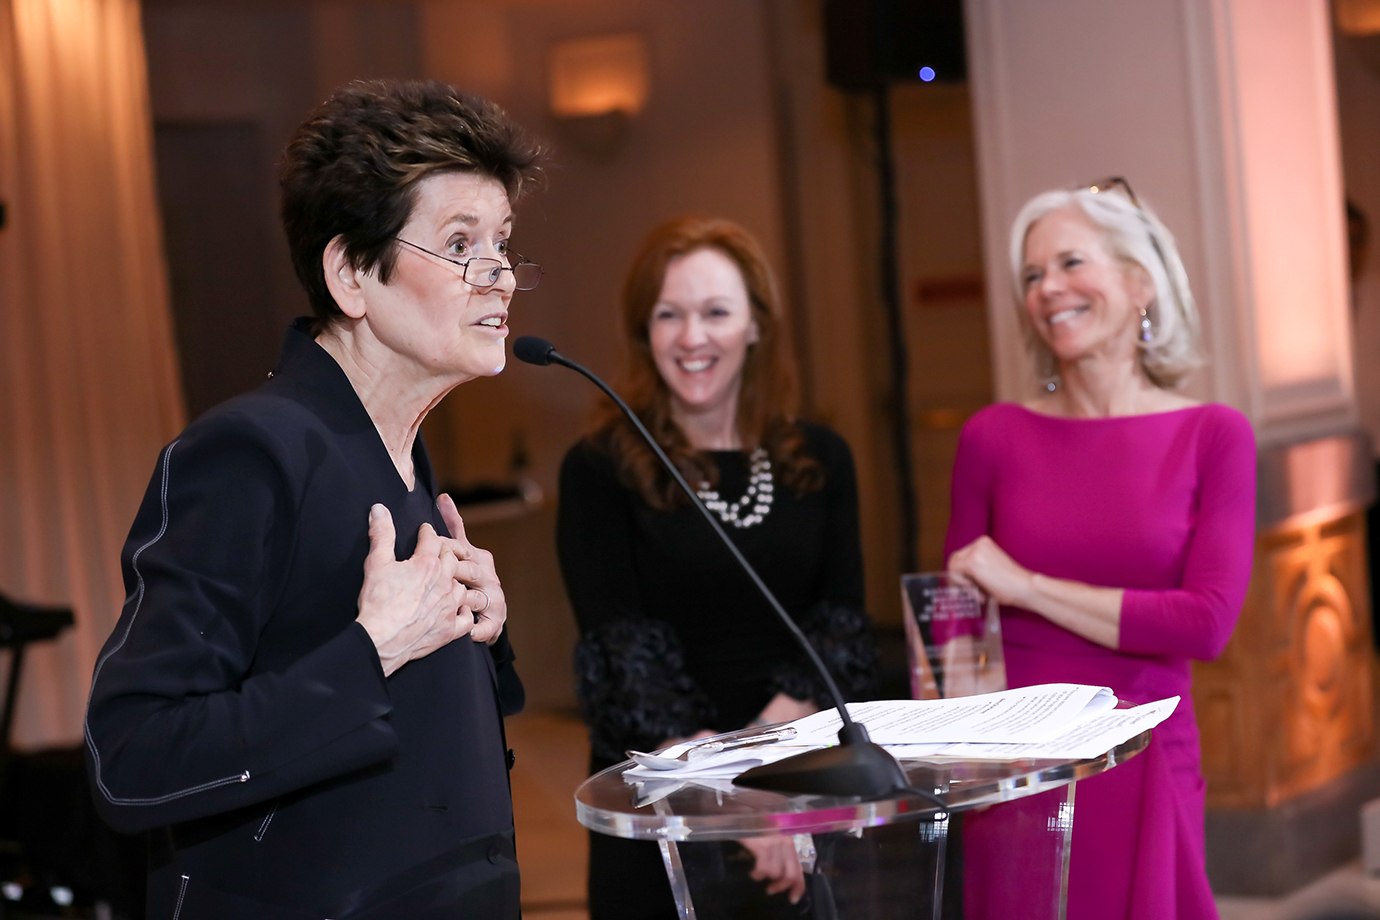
{"points": [[240, 714]]}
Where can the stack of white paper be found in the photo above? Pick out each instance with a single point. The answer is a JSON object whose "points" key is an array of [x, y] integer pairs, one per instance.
{"points": [[1087, 738], [1045, 722]]}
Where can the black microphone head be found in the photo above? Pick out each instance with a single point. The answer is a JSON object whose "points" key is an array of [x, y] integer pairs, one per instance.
{"points": [[533, 350]]}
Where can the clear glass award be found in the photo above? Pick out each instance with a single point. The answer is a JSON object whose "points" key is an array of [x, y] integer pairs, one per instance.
{"points": [[953, 638]]}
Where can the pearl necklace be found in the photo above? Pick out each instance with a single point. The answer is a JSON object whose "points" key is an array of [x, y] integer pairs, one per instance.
{"points": [[758, 494]]}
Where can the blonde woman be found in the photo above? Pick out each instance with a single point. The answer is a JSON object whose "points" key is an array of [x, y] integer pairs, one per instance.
{"points": [[1113, 519]]}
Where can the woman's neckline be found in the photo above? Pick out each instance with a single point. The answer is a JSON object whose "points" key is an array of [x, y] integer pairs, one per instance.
{"points": [[1108, 418]]}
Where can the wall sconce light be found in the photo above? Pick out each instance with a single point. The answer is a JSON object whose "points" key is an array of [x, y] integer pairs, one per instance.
{"points": [[1358, 17], [597, 84]]}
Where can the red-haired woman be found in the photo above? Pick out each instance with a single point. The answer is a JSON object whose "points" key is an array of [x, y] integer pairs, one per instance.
{"points": [[675, 641]]}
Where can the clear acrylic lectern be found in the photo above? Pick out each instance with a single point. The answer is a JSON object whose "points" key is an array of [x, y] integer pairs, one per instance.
{"points": [[865, 860]]}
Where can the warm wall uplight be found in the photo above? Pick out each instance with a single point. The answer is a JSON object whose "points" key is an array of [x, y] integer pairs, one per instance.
{"points": [[1358, 17], [599, 76]]}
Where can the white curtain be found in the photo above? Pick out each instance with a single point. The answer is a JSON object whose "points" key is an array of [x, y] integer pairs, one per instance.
{"points": [[89, 387]]}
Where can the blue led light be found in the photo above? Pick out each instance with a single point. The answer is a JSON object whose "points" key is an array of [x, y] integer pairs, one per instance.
{"points": [[927, 74]]}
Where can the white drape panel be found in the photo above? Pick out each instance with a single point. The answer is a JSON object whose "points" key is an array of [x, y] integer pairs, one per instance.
{"points": [[89, 387]]}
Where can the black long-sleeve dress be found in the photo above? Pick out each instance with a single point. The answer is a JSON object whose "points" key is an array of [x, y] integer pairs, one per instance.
{"points": [[241, 714], [675, 638]]}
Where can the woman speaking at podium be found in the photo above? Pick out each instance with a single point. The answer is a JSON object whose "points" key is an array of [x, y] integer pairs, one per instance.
{"points": [[1113, 519], [303, 697], [675, 641]]}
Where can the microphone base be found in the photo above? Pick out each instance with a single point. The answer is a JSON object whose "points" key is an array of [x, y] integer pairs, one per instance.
{"points": [[863, 769]]}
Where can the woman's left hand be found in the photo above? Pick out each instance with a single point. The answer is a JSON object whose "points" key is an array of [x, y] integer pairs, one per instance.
{"points": [[985, 564], [777, 864], [484, 597]]}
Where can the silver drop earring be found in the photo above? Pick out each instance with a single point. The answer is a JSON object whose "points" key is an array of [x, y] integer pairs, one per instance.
{"points": [[1144, 324]]}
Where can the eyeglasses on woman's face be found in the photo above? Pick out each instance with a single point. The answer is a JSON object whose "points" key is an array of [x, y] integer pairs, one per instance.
{"points": [[483, 273]]}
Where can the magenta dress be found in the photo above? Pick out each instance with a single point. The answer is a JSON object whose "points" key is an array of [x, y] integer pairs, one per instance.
{"points": [[1162, 505]]}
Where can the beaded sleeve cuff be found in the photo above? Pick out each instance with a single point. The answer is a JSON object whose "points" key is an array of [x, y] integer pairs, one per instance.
{"points": [[844, 639], [633, 689]]}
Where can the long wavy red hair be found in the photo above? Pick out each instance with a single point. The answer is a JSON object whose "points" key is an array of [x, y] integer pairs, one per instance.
{"points": [[768, 401]]}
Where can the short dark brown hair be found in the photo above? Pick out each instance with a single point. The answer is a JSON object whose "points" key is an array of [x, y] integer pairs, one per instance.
{"points": [[352, 169], [768, 399]]}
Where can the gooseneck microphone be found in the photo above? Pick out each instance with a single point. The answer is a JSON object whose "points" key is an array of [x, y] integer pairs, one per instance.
{"points": [[856, 766]]}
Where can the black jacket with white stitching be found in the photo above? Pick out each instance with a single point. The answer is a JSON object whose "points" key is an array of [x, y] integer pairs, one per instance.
{"points": [[241, 714]]}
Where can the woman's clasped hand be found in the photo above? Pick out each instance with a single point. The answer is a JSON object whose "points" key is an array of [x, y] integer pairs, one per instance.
{"points": [[986, 564], [776, 863], [447, 589]]}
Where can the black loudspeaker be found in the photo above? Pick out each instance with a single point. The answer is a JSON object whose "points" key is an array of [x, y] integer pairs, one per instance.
{"points": [[871, 42]]}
